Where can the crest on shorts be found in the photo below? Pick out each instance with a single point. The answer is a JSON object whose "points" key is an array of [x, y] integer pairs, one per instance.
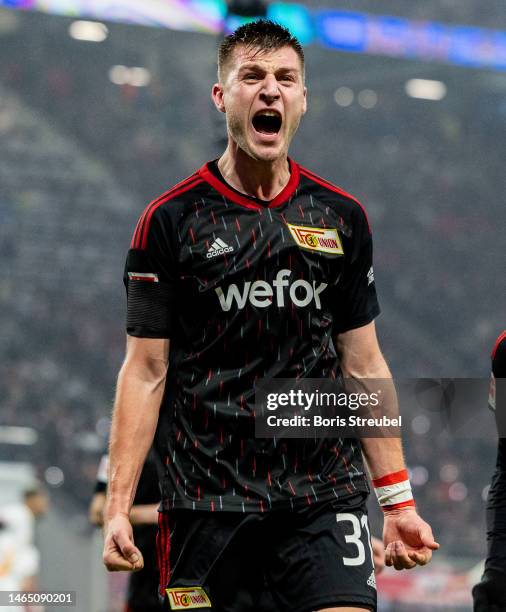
{"points": [[188, 598], [325, 240]]}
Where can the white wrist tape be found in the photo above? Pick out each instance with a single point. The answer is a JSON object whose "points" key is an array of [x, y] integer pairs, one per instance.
{"points": [[394, 490]]}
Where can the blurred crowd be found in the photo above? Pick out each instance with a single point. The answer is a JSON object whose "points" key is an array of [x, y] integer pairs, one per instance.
{"points": [[466, 12], [81, 157]]}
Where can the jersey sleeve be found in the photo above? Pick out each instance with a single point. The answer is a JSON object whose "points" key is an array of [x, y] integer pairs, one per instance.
{"points": [[356, 293], [150, 277]]}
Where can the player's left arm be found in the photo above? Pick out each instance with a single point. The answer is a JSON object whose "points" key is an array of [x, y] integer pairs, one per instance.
{"points": [[407, 537]]}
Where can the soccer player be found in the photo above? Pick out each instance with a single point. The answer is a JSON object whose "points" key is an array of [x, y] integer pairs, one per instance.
{"points": [[142, 586], [254, 268], [490, 594]]}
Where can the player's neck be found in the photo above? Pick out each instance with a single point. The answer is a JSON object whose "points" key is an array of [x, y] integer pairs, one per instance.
{"points": [[263, 180]]}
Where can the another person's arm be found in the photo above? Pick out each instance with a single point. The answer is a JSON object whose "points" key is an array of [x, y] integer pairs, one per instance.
{"points": [[496, 501], [378, 552], [97, 504], [144, 514], [96, 509], [140, 514], [141, 384], [496, 514], [490, 592], [407, 538]]}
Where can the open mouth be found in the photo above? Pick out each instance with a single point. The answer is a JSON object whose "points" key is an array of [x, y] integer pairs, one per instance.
{"points": [[267, 122]]}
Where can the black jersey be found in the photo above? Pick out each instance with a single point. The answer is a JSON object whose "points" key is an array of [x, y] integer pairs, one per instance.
{"points": [[246, 290], [496, 501]]}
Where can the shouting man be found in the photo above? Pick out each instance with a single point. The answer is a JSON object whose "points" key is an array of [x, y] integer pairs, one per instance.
{"points": [[254, 268]]}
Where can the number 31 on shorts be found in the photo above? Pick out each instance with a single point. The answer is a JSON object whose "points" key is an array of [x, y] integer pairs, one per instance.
{"points": [[355, 538]]}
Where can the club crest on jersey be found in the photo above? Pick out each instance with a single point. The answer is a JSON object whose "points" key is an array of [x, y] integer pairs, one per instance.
{"points": [[325, 240], [189, 598]]}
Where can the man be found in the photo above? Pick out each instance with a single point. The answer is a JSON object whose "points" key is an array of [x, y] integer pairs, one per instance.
{"points": [[254, 268], [142, 587], [490, 594]]}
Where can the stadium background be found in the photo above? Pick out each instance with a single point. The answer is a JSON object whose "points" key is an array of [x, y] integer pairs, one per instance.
{"points": [[92, 130]]}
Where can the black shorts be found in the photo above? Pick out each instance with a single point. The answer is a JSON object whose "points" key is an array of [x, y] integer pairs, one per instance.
{"points": [[273, 562]]}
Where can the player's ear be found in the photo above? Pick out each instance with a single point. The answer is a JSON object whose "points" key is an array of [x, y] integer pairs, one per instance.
{"points": [[217, 94], [304, 103]]}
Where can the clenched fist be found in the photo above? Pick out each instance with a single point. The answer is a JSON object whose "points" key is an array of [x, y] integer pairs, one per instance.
{"points": [[120, 553]]}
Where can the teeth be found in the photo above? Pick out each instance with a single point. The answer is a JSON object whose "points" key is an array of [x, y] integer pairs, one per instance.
{"points": [[268, 113]]}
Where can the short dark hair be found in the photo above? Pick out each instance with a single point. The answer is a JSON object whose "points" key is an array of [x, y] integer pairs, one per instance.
{"points": [[263, 34]]}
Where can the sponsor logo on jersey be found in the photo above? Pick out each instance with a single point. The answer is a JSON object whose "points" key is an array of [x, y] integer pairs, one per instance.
{"points": [[188, 598], [317, 239], [263, 294], [219, 247], [370, 276], [143, 276]]}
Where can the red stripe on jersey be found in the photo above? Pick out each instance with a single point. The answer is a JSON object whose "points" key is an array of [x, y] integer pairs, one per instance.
{"points": [[156, 205], [167, 549], [502, 336], [140, 228], [324, 183], [221, 187], [138, 232], [389, 479], [159, 547]]}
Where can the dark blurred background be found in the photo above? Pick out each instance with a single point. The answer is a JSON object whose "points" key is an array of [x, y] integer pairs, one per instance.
{"points": [[85, 145]]}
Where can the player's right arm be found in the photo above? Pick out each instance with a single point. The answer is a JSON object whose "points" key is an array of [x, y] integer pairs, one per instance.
{"points": [[139, 393], [151, 279]]}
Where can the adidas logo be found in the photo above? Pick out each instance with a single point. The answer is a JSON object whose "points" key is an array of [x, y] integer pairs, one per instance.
{"points": [[371, 581], [218, 248]]}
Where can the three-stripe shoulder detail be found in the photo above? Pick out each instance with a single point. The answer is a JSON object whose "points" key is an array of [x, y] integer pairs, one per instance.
{"points": [[328, 185], [140, 237]]}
